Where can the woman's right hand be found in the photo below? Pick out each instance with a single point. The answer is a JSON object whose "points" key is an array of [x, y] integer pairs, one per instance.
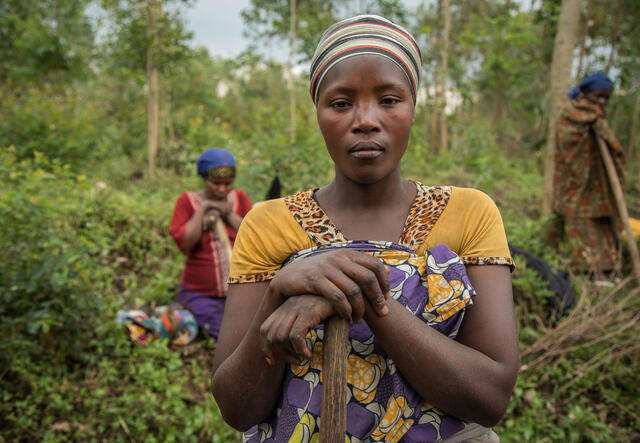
{"points": [[209, 219], [282, 334], [347, 279]]}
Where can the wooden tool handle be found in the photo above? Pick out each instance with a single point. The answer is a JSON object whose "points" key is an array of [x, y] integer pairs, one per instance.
{"points": [[616, 187], [333, 419], [221, 234]]}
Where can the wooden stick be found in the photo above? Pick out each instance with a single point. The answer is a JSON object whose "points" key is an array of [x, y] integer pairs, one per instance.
{"points": [[221, 233], [333, 418], [616, 187]]}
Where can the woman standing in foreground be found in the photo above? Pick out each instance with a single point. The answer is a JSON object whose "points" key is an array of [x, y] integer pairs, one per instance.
{"points": [[208, 250], [416, 371]]}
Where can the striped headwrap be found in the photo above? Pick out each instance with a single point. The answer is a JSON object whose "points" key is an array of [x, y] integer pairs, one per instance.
{"points": [[366, 34]]}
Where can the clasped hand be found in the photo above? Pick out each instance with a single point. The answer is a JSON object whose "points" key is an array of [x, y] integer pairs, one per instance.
{"points": [[214, 209], [348, 283]]}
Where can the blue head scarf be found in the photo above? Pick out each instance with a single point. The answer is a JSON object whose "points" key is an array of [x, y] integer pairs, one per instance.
{"points": [[214, 158], [594, 82]]}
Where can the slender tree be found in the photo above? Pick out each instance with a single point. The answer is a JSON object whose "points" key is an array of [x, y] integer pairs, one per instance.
{"points": [[436, 109], [292, 85], [634, 127], [560, 82], [614, 35], [444, 142], [585, 34], [153, 12]]}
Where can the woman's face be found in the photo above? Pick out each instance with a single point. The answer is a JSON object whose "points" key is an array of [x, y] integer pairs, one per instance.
{"points": [[600, 97], [365, 112], [218, 188]]}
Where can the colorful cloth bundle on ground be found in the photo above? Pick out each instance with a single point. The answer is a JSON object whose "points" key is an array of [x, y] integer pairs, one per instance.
{"points": [[382, 405], [163, 322]]}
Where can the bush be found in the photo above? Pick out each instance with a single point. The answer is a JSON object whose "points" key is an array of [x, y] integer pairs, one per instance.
{"points": [[49, 267], [63, 127], [73, 254]]}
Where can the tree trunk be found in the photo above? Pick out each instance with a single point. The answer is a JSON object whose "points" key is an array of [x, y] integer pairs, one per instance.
{"points": [[152, 88], [433, 140], [444, 142], [171, 132], [292, 85], [560, 82], [634, 128], [58, 68], [585, 34], [427, 97], [162, 114], [614, 35]]}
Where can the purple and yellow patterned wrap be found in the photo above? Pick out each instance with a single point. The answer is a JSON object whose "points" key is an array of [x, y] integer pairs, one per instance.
{"points": [[382, 405]]}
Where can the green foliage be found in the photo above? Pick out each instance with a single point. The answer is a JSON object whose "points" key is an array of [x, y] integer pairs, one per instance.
{"points": [[48, 269], [578, 377], [43, 40], [268, 19], [74, 253], [38, 120], [581, 424], [495, 66], [150, 394], [129, 36]]}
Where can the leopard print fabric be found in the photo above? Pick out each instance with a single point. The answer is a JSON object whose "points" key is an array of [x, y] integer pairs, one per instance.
{"points": [[252, 278], [427, 207], [488, 261], [312, 218], [424, 213]]}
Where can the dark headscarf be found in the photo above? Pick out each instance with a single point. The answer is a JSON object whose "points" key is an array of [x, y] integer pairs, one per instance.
{"points": [[594, 82], [215, 158]]}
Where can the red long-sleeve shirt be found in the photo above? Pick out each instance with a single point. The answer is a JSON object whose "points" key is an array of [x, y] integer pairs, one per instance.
{"points": [[198, 274]]}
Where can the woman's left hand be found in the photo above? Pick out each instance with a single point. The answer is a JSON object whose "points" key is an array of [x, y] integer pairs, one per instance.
{"points": [[282, 334]]}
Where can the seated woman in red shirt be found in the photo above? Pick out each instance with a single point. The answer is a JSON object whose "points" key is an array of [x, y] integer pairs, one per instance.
{"points": [[204, 226]]}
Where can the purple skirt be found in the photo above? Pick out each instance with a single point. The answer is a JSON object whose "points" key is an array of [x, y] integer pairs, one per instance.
{"points": [[206, 309]]}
